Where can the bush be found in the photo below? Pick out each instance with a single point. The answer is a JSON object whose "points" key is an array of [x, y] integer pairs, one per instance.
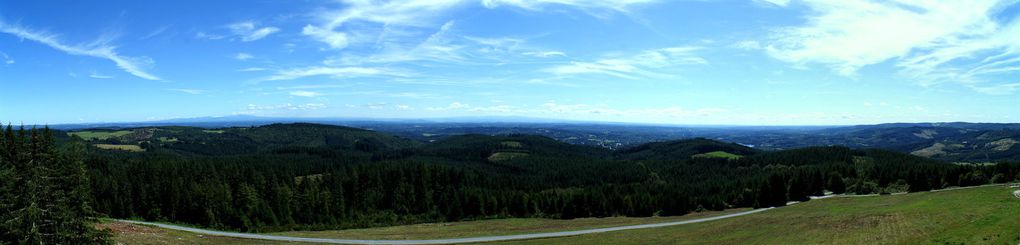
{"points": [[999, 178]]}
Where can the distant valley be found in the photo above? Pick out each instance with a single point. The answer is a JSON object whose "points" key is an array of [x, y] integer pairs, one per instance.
{"points": [[953, 142]]}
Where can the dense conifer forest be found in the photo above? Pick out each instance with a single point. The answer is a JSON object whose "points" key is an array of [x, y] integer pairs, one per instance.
{"points": [[44, 191], [54, 185], [306, 176]]}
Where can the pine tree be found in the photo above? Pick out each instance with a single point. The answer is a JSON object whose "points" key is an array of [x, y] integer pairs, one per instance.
{"points": [[835, 184], [50, 203], [78, 219]]}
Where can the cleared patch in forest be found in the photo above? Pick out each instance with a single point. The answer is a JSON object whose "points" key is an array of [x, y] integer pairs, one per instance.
{"points": [[131, 148], [511, 144], [504, 156], [99, 135], [717, 154]]}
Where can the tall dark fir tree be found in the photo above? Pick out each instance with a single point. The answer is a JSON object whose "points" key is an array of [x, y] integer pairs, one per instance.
{"points": [[45, 191]]}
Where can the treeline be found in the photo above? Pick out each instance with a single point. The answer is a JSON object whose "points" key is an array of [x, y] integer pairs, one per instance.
{"points": [[44, 191], [298, 188]]}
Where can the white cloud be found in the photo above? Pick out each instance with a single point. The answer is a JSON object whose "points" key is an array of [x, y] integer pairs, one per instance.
{"points": [[203, 35], [303, 93], [998, 89], [7, 59], [250, 69], [255, 109], [336, 40], [317, 86], [930, 41], [376, 106], [99, 76], [445, 45], [155, 32], [98, 49], [748, 45], [588, 111], [243, 56], [545, 54], [386, 13], [629, 67], [336, 72], [248, 31], [601, 9], [187, 91], [452, 106], [780, 3]]}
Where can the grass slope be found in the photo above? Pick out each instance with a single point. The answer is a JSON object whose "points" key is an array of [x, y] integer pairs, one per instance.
{"points": [[131, 148], [99, 135], [718, 154], [495, 227], [985, 215]]}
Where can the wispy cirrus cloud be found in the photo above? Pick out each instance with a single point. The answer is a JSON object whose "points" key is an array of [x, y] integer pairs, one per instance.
{"points": [[7, 59], [582, 110], [931, 42], [280, 109], [338, 28], [96, 75], [446, 45], [601, 9], [644, 63], [243, 56], [304, 93], [252, 69], [386, 13], [99, 49], [187, 91], [779, 3], [248, 31], [336, 72]]}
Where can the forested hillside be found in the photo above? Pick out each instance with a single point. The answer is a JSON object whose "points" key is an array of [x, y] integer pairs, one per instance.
{"points": [[303, 176]]}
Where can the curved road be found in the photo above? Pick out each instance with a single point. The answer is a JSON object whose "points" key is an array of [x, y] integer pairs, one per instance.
{"points": [[478, 239], [438, 241]]}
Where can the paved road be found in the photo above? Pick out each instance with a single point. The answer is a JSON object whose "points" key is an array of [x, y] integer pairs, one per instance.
{"points": [[480, 239], [439, 241]]}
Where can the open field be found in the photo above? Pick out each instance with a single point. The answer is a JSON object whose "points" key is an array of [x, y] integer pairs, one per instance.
{"points": [[511, 144], [718, 154], [504, 156], [132, 148], [139, 234], [99, 135], [985, 215], [491, 227]]}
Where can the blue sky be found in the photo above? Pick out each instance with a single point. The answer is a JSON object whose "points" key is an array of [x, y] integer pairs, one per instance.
{"points": [[771, 62]]}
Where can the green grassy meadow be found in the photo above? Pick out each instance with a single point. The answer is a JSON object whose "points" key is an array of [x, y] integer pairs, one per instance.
{"points": [[132, 148], [984, 215], [718, 154], [99, 135]]}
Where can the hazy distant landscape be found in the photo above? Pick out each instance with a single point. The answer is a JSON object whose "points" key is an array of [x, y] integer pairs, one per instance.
{"points": [[954, 142], [509, 122]]}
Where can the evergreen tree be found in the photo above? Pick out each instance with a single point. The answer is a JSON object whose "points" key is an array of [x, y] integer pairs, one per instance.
{"points": [[50, 204], [835, 184]]}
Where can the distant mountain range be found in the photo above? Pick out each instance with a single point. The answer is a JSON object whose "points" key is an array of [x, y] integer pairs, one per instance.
{"points": [[950, 141]]}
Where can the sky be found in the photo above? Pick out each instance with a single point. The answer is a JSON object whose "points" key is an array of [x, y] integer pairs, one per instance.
{"points": [[775, 62]]}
